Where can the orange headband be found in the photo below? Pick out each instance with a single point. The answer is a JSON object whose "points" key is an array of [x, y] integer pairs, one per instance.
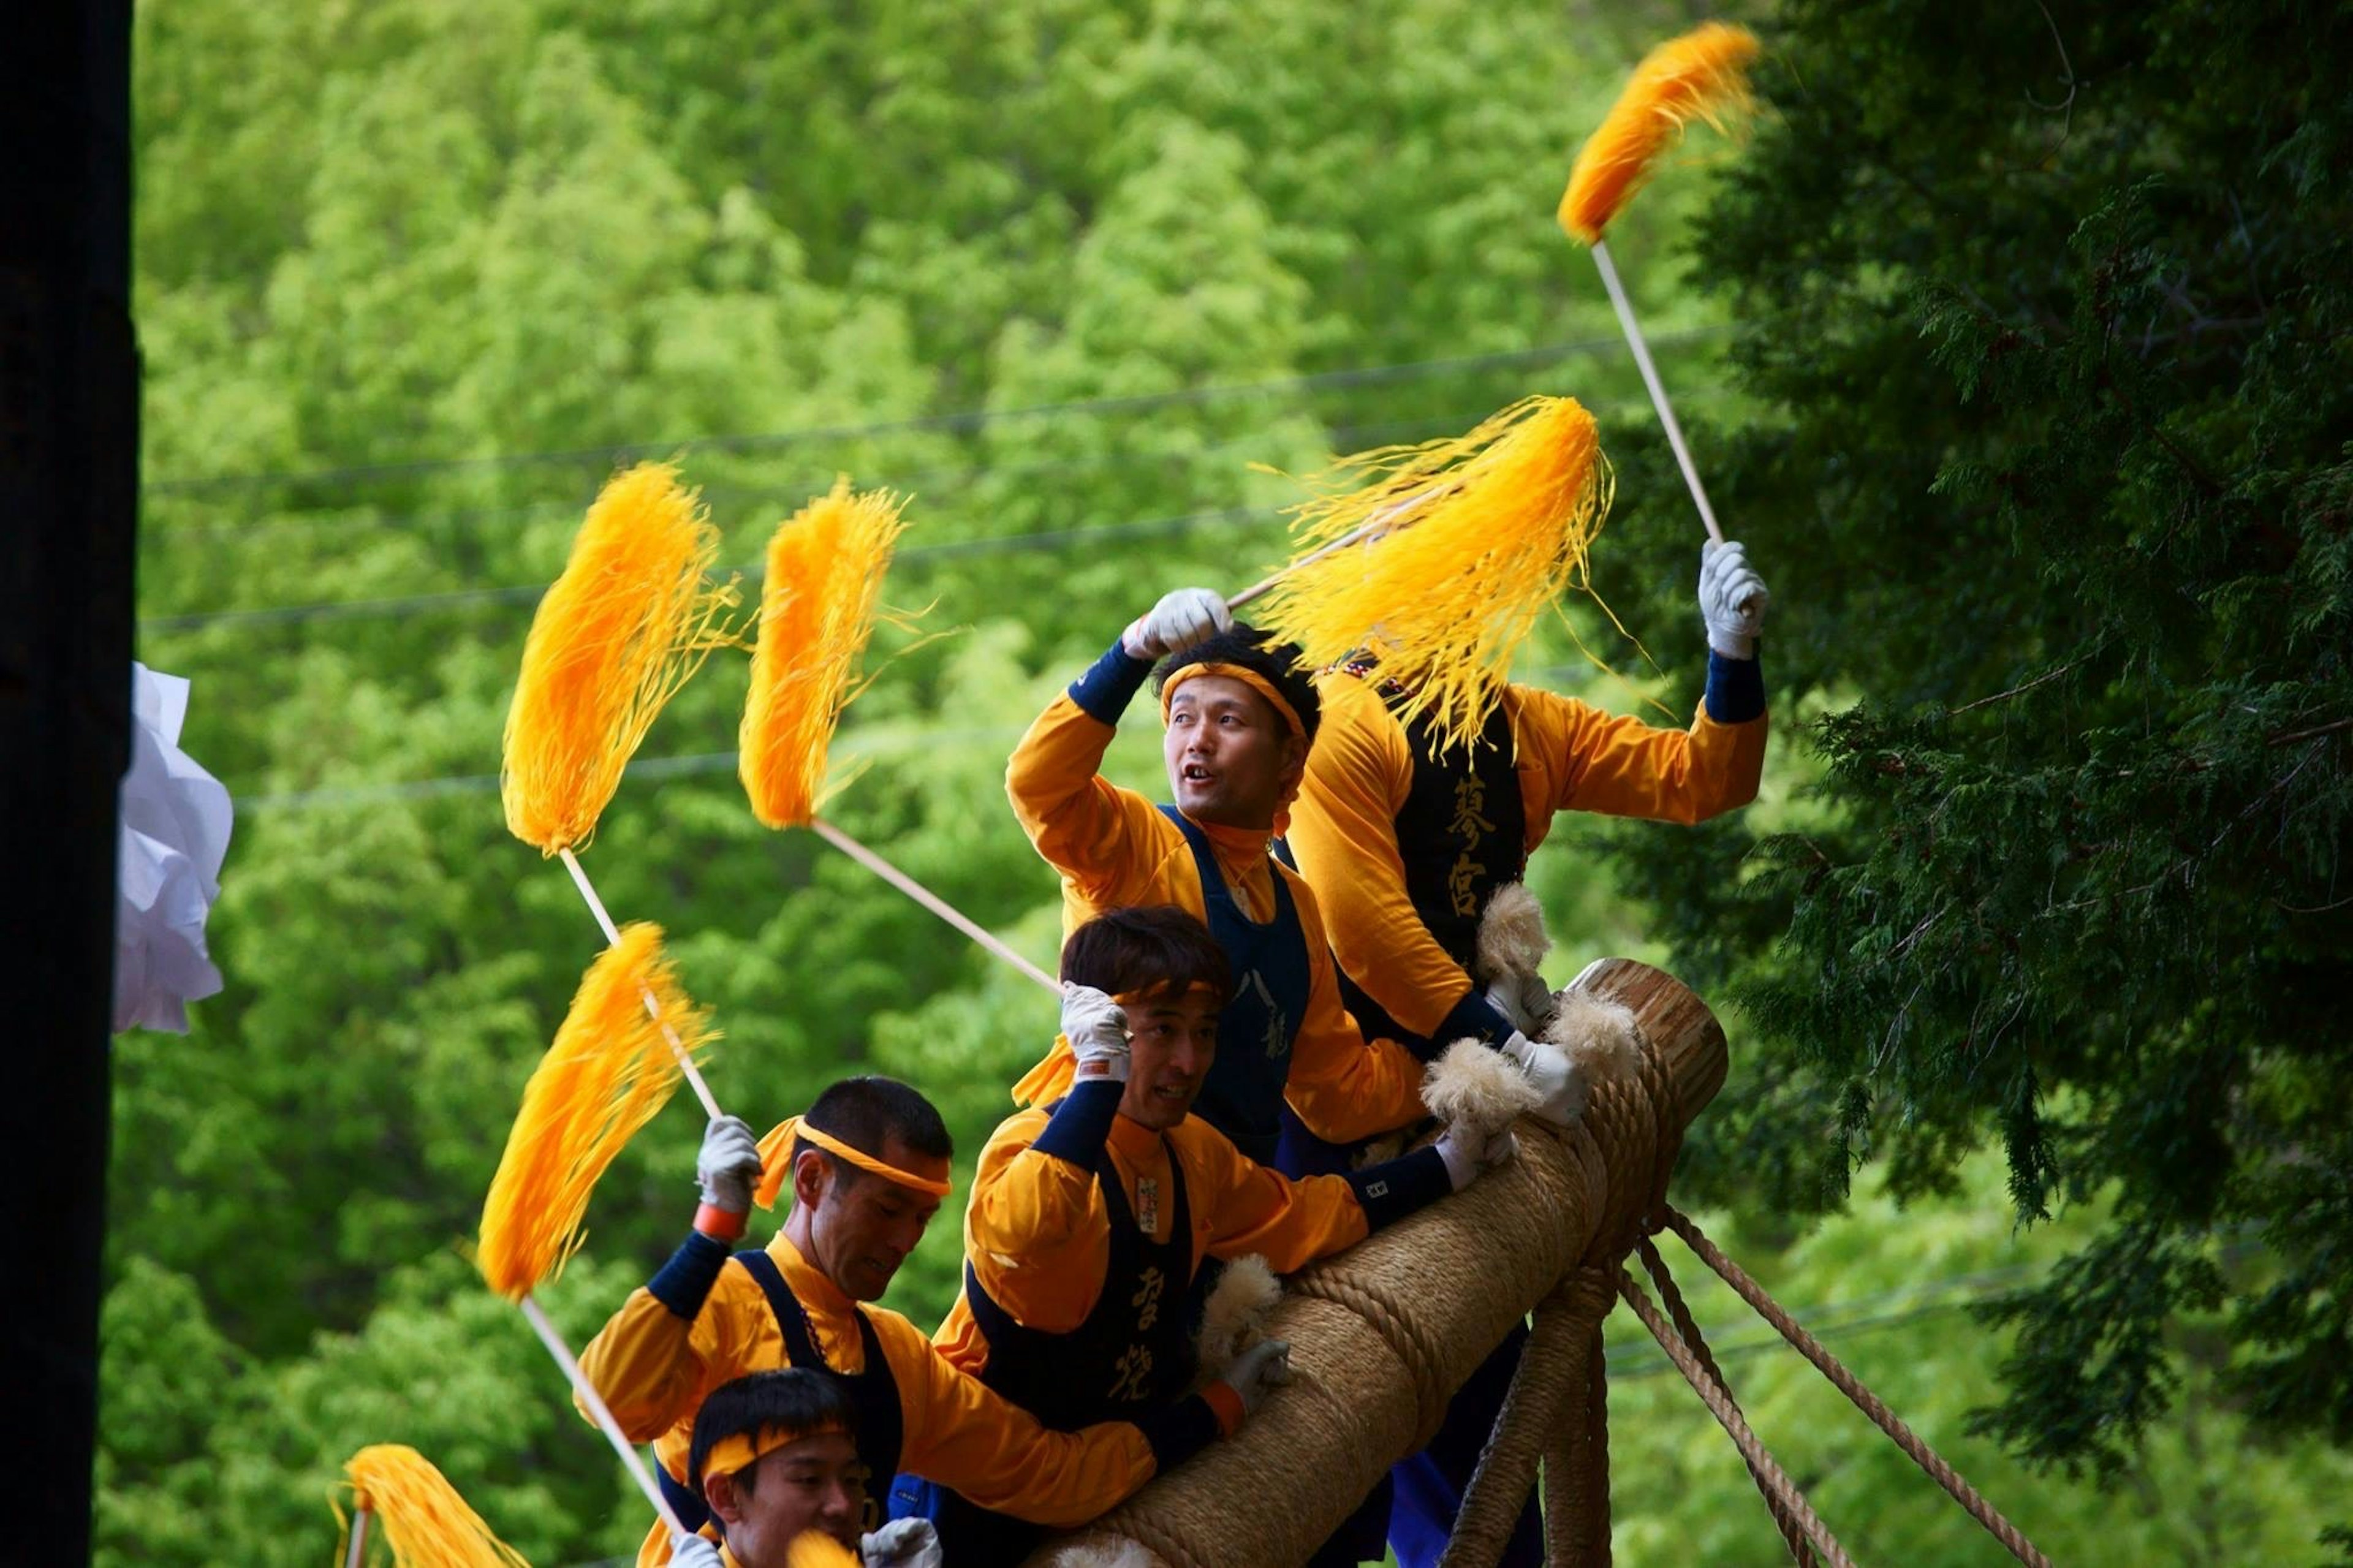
{"points": [[1250, 678], [776, 1161], [745, 1449]]}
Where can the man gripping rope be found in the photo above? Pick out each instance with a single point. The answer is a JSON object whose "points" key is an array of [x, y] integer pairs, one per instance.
{"points": [[1091, 1220]]}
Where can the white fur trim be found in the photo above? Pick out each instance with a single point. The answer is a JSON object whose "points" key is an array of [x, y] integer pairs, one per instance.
{"points": [[1600, 1037], [1475, 1086], [1100, 1552], [1512, 938], [1235, 1312]]}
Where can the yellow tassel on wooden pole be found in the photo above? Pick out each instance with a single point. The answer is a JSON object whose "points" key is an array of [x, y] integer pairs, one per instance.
{"points": [[818, 606], [419, 1513], [632, 616], [1488, 529], [1703, 75], [614, 1064]]}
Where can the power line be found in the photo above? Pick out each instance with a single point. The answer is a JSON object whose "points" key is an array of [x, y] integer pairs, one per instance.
{"points": [[962, 421], [530, 593]]}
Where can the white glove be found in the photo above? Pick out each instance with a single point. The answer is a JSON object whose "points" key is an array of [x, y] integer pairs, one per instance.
{"points": [[1182, 618], [729, 1166], [1548, 1068], [1467, 1151], [1732, 599], [901, 1544], [694, 1552], [1525, 1000], [1096, 1028], [1265, 1366]]}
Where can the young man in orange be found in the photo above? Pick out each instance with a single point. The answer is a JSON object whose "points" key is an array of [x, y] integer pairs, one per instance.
{"points": [[1405, 842], [1240, 719], [1091, 1220], [774, 1456], [868, 1165]]}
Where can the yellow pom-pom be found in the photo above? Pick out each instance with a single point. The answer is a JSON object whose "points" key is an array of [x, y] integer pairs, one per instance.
{"points": [[612, 1067], [811, 1549], [1491, 528], [416, 1510], [619, 632], [1703, 75], [816, 610]]}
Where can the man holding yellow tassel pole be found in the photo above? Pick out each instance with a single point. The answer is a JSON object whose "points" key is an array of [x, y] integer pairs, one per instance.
{"points": [[1405, 841], [868, 1166], [1240, 719]]}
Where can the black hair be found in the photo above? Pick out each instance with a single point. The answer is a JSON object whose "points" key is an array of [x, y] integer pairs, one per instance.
{"points": [[1155, 948], [866, 1113], [794, 1396], [1254, 650]]}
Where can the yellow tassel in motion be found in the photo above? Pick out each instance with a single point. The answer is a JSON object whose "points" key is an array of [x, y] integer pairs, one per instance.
{"points": [[816, 610], [419, 1514], [1703, 75], [1491, 528], [609, 1071], [811, 1549], [619, 632]]}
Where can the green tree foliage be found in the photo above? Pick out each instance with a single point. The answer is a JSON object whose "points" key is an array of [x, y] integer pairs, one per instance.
{"points": [[415, 275], [2045, 318]]}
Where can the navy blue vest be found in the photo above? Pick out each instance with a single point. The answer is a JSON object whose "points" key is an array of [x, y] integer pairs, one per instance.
{"points": [[873, 1395], [1134, 1353], [1242, 1096]]}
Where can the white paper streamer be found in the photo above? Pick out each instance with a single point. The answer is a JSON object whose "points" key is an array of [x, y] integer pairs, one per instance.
{"points": [[176, 820]]}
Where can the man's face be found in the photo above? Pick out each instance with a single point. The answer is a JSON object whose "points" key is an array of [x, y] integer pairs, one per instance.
{"points": [[1231, 759], [817, 1484], [1174, 1039], [861, 1228]]}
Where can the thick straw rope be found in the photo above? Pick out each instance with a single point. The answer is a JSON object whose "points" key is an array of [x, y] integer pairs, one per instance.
{"points": [[1688, 1327], [1927, 1458], [1383, 1335], [1577, 1474], [1770, 1477]]}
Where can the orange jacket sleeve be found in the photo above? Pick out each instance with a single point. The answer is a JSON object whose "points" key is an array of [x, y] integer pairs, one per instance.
{"points": [[970, 1439], [1035, 1232], [1344, 832], [1579, 758], [1104, 841], [1342, 1086], [1289, 1221], [652, 1364]]}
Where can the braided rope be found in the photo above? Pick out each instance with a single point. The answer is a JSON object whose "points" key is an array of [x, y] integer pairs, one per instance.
{"points": [[1549, 1379], [1769, 1475], [1576, 1473], [1927, 1458], [1688, 1327]]}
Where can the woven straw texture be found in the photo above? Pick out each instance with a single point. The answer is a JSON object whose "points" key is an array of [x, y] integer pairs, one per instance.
{"points": [[1384, 1335]]}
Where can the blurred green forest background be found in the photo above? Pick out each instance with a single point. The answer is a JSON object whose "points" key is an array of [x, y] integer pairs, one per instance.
{"points": [[2015, 348]]}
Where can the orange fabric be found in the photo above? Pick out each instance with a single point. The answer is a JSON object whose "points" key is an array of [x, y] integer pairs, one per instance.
{"points": [[730, 1454], [1570, 756], [654, 1369], [1038, 1239], [1243, 673], [1115, 850], [776, 1162]]}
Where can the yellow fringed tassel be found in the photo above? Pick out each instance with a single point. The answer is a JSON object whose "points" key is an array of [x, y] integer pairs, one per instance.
{"points": [[420, 1514], [1491, 528], [631, 617], [811, 1549], [816, 611], [609, 1071], [1703, 75]]}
